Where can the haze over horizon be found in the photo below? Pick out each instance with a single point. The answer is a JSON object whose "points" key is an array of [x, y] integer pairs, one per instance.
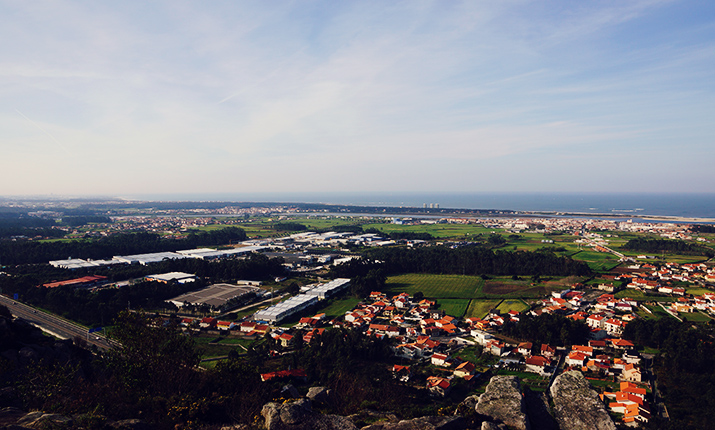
{"points": [[162, 97]]}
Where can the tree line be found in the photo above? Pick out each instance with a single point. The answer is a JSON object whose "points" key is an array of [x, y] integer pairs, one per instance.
{"points": [[685, 369], [702, 228], [476, 260], [33, 252], [667, 245]]}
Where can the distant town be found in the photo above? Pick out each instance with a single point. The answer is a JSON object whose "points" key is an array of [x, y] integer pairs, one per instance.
{"points": [[458, 298]]}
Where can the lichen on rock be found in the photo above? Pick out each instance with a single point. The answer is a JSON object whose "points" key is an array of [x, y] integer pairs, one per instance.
{"points": [[503, 401], [576, 404]]}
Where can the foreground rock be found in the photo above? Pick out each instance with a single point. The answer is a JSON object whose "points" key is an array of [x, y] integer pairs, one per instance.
{"points": [[320, 394], [422, 423], [502, 401], [577, 406], [299, 415]]}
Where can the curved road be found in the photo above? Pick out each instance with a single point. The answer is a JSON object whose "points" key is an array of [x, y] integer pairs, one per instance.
{"points": [[53, 324]]}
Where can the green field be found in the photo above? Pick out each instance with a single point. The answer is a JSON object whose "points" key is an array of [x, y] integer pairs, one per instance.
{"points": [[597, 261], [454, 307], [512, 305], [315, 223], [658, 312], [695, 317], [631, 293], [338, 307], [480, 308], [436, 286], [698, 291], [436, 230], [645, 315]]}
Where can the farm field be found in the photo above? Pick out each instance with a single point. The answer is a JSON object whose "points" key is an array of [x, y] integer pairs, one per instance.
{"points": [[212, 227], [512, 305], [698, 291], [597, 261], [480, 308], [454, 307], [506, 287], [436, 230], [436, 286], [314, 223], [253, 230]]}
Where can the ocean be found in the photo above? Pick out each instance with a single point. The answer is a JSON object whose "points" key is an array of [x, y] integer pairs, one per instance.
{"points": [[627, 204]]}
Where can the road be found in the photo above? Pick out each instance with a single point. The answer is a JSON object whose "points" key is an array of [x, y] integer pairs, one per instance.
{"points": [[52, 324]]}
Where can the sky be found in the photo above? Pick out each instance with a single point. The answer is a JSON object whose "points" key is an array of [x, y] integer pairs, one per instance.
{"points": [[136, 97]]}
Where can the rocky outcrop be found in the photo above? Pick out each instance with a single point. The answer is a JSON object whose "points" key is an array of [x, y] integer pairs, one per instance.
{"points": [[502, 401], [469, 403], [422, 423], [577, 406], [130, 424], [299, 415], [488, 425], [320, 394], [12, 418]]}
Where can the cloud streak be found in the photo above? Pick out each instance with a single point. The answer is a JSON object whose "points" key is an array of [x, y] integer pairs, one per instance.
{"points": [[181, 95]]}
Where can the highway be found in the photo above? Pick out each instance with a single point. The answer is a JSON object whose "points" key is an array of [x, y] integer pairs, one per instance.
{"points": [[52, 324]]}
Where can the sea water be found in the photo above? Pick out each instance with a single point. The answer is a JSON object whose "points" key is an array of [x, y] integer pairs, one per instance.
{"points": [[686, 205]]}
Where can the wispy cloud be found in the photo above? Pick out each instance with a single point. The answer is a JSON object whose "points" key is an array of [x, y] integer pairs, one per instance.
{"points": [[184, 95]]}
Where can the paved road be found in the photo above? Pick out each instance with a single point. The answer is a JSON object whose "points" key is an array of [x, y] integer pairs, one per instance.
{"points": [[53, 324]]}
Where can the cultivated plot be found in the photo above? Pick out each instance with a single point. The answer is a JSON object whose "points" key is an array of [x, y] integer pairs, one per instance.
{"points": [[436, 286]]}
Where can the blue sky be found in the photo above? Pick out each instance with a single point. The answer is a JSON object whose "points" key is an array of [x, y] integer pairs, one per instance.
{"points": [[125, 98]]}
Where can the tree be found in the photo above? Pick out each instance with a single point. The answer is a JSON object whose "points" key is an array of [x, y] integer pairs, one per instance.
{"points": [[496, 239], [293, 288], [363, 285], [151, 355]]}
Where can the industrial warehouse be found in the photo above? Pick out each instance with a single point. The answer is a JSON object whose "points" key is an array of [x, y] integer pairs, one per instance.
{"points": [[215, 295], [144, 259], [300, 302]]}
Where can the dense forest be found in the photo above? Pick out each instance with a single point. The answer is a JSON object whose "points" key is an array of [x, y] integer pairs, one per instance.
{"points": [[685, 369], [289, 226], [476, 260], [151, 374], [29, 227], [667, 245], [33, 252]]}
